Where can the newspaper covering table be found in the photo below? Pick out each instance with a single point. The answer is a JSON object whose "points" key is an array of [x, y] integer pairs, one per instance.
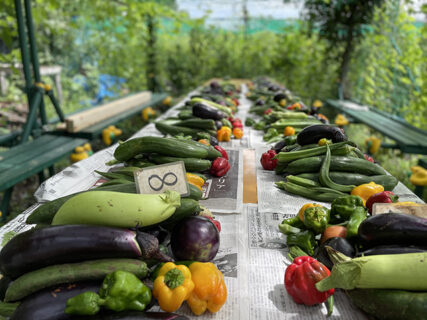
{"points": [[253, 255]]}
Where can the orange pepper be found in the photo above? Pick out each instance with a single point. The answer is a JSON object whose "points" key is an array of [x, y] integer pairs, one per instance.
{"points": [[237, 133], [289, 131], [204, 141]]}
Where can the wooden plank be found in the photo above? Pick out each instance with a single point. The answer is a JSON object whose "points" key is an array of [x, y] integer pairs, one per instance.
{"points": [[82, 120], [25, 170], [249, 177]]}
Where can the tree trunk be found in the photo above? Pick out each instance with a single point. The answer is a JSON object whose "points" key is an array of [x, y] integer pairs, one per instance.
{"points": [[345, 63]]}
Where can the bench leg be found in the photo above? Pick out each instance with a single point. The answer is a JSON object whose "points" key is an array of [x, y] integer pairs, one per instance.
{"points": [[51, 171], [4, 207], [42, 177], [419, 191]]}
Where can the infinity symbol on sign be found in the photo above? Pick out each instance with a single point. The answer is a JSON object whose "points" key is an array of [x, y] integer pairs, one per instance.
{"points": [[162, 180]]}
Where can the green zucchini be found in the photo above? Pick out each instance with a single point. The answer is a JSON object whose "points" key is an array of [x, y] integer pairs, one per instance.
{"points": [[191, 164], [176, 130], [71, 272], [282, 124], [390, 304], [45, 213], [387, 181], [347, 164], [198, 123], [185, 114], [188, 208], [212, 152], [166, 146]]}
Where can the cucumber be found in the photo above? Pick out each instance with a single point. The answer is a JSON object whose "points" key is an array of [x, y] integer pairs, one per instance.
{"points": [[198, 123], [115, 175], [191, 164], [185, 114], [165, 146], [45, 213], [176, 130], [195, 193], [347, 164], [7, 309], [116, 182], [115, 209], [387, 181], [212, 152], [390, 304], [188, 208], [71, 272]]}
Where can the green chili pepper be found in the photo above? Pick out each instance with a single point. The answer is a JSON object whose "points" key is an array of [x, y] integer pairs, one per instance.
{"points": [[291, 225], [259, 125], [305, 240], [316, 218], [356, 218], [249, 122], [344, 206]]}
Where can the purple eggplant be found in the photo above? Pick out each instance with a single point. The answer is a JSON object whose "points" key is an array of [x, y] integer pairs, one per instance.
{"points": [[38, 248], [392, 249], [393, 228], [195, 238], [137, 315], [313, 133], [206, 112], [49, 304]]}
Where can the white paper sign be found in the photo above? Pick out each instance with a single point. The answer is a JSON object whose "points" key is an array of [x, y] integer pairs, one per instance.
{"points": [[158, 179]]}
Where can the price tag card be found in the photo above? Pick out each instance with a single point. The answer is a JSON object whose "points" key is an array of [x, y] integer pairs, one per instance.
{"points": [[158, 179]]}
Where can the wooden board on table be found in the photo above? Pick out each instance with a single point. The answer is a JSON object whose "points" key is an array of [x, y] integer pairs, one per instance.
{"points": [[82, 120]]}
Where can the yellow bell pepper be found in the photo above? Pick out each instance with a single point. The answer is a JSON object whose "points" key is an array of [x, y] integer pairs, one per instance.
{"points": [[341, 120], [167, 101], [373, 144], [317, 104], [148, 113], [306, 206], [289, 131], [210, 292], [224, 134], [109, 134], [419, 176], [195, 179], [79, 154], [172, 286], [282, 103], [365, 191]]}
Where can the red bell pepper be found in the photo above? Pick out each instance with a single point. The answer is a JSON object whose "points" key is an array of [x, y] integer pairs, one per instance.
{"points": [[369, 158], [222, 150], [236, 102], [216, 223], [237, 123], [267, 161], [219, 167], [381, 197], [301, 277]]}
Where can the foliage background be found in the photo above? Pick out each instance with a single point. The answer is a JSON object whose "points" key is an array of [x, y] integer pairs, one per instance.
{"points": [[388, 68]]}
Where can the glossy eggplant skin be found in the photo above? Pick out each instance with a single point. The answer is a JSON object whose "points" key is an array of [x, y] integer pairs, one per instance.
{"points": [[312, 134], [392, 249], [49, 304], [206, 112], [279, 146], [38, 248], [337, 243], [393, 228]]}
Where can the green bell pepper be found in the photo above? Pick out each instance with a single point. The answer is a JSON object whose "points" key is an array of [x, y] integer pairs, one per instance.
{"points": [[305, 240], [316, 218], [249, 122], [344, 206], [259, 125], [120, 291], [271, 133], [291, 225]]}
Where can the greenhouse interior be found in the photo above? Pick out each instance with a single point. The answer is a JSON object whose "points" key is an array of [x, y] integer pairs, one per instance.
{"points": [[247, 159]]}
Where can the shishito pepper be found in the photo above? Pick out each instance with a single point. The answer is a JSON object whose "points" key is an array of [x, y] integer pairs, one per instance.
{"points": [[210, 292], [301, 277], [120, 291], [366, 190], [291, 225], [172, 286], [316, 218]]}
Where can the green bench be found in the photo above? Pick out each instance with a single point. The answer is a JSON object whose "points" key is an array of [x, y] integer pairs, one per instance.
{"points": [[30, 158], [408, 138]]}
